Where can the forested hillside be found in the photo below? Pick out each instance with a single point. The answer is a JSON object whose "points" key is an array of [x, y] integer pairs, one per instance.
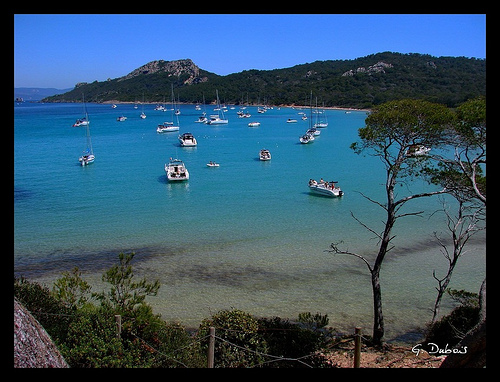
{"points": [[360, 83]]}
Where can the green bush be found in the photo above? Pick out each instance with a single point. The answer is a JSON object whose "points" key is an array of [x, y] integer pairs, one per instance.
{"points": [[239, 343], [451, 328]]}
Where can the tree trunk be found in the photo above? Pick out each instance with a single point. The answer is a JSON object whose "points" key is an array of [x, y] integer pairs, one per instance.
{"points": [[378, 317]]}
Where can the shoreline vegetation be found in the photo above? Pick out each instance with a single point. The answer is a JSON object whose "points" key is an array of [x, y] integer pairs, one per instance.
{"points": [[83, 326]]}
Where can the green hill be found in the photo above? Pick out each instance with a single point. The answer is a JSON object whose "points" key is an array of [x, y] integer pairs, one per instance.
{"points": [[359, 83]]}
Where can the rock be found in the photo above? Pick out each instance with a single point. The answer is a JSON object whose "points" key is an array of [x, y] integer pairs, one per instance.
{"points": [[173, 68], [33, 347], [379, 67]]}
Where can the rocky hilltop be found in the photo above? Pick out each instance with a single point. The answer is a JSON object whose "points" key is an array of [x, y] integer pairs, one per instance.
{"points": [[379, 67], [359, 83], [171, 68]]}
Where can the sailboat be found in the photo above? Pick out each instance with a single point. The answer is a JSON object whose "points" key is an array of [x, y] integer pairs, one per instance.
{"points": [[88, 156], [216, 119], [320, 122], [203, 117], [82, 121], [143, 115], [169, 126]]}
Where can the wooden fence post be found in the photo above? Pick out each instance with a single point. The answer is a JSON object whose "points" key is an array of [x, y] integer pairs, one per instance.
{"points": [[118, 320], [211, 348], [357, 346]]}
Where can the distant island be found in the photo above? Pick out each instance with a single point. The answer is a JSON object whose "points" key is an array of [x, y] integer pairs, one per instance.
{"points": [[359, 83], [36, 94]]}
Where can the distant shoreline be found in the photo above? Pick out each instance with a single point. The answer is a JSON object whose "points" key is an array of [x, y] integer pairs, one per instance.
{"points": [[293, 106]]}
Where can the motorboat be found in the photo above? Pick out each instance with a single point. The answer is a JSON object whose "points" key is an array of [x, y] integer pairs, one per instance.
{"points": [[121, 118], [166, 127], [81, 122], [417, 150], [212, 164], [291, 120], [176, 170], [187, 140], [254, 124], [264, 155], [325, 188], [242, 114]]}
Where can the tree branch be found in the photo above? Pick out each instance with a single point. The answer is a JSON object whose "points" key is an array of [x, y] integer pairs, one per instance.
{"points": [[335, 249]]}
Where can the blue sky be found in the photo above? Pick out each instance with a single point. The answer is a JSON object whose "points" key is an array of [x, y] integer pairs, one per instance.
{"points": [[60, 50]]}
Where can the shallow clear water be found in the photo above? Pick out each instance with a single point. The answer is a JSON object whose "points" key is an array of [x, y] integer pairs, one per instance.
{"points": [[247, 234]]}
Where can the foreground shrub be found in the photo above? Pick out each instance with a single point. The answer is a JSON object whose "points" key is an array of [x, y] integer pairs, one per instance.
{"points": [[239, 343]]}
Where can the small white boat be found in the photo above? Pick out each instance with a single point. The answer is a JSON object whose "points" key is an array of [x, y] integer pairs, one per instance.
{"points": [[88, 155], [165, 127], [254, 124], [86, 159], [176, 170], [264, 155], [291, 120], [212, 164], [313, 131], [81, 122], [187, 140], [113, 106], [218, 119], [417, 150], [325, 188], [202, 119], [121, 118], [306, 138], [215, 120], [143, 116]]}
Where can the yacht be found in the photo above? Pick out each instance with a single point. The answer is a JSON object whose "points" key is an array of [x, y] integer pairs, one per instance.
{"points": [[176, 170], [264, 155], [325, 188], [187, 140], [166, 127]]}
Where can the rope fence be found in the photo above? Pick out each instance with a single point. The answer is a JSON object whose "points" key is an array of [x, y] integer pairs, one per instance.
{"points": [[212, 338]]}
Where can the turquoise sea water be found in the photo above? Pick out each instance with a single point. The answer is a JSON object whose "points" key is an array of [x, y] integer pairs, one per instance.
{"points": [[247, 234]]}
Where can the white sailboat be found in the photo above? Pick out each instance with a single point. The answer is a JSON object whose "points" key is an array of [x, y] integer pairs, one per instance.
{"points": [[82, 121], [321, 119], [218, 119], [88, 156], [171, 125], [143, 115]]}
